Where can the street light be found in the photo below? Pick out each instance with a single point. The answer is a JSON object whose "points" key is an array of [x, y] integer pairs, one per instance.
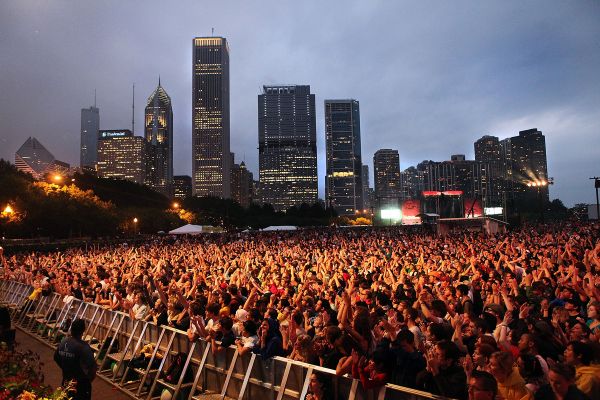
{"points": [[175, 205], [8, 210], [57, 178], [135, 221]]}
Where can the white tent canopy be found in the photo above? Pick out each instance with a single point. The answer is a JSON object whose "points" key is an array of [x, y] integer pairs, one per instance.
{"points": [[280, 228], [189, 229]]}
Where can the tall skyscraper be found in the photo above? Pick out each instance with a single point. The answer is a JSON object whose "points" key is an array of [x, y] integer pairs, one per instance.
{"points": [[367, 190], [343, 184], [210, 117], [386, 163], [525, 162], [33, 158], [287, 146], [90, 125], [488, 150], [158, 132], [122, 155], [241, 184]]}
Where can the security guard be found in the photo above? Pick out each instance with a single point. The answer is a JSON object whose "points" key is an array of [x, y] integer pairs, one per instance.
{"points": [[76, 359]]}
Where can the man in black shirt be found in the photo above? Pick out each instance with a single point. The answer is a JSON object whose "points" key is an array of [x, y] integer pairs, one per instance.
{"points": [[76, 359]]}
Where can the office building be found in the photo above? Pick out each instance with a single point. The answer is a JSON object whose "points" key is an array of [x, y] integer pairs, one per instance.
{"points": [[90, 125], [34, 159], [182, 186], [368, 192], [287, 146], [488, 150], [525, 162], [122, 155], [386, 163], [467, 176], [242, 184], [158, 132], [343, 183], [210, 117], [411, 183]]}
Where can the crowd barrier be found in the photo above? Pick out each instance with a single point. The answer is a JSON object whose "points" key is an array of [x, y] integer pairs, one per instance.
{"points": [[117, 341]]}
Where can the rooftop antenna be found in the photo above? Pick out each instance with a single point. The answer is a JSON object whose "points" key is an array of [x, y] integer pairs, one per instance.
{"points": [[158, 79], [133, 112], [94, 98], [212, 32]]}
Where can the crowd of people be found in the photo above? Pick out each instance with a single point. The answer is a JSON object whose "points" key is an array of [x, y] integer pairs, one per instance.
{"points": [[467, 315]]}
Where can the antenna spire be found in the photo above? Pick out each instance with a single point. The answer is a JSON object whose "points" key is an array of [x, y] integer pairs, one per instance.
{"points": [[133, 112], [94, 98], [158, 79], [212, 32]]}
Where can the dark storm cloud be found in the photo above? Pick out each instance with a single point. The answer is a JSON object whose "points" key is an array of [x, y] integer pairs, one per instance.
{"points": [[431, 77]]}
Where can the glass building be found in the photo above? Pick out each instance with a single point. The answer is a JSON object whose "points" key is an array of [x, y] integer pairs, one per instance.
{"points": [[488, 150], [386, 163], [122, 155], [287, 146], [182, 186], [210, 117], [525, 161], [343, 183], [90, 125], [158, 132], [33, 158]]}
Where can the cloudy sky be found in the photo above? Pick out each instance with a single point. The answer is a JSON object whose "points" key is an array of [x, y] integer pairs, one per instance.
{"points": [[431, 76]]}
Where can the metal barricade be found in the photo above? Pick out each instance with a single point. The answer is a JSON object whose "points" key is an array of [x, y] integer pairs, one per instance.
{"points": [[117, 339]]}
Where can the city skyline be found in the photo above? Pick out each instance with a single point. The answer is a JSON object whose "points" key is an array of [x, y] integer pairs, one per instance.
{"points": [[427, 88]]}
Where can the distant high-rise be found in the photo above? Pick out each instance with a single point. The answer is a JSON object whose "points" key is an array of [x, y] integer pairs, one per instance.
{"points": [[210, 117], [487, 150], [122, 155], [386, 164], [241, 184], [158, 132], [467, 176], [33, 158], [90, 125], [411, 183], [182, 186], [343, 184], [287, 146], [367, 190], [525, 162]]}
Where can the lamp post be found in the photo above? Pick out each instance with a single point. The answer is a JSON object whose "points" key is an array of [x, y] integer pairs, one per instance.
{"points": [[135, 222]]}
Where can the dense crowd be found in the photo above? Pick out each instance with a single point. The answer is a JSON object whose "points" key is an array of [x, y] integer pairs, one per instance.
{"points": [[512, 316]]}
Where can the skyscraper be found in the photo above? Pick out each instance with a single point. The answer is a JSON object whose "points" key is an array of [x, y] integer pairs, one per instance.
{"points": [[367, 190], [33, 158], [122, 155], [158, 132], [90, 125], [210, 117], [241, 184], [287, 146], [488, 150], [386, 163], [182, 186], [525, 162], [344, 189]]}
